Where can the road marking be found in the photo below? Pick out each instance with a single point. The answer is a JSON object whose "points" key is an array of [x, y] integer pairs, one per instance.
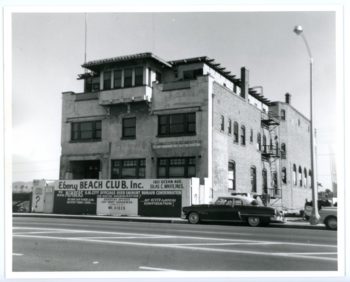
{"points": [[123, 237], [185, 237], [222, 244], [156, 268], [176, 247], [95, 262], [17, 254]]}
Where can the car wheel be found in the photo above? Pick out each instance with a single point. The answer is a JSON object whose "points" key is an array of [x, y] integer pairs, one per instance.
{"points": [[193, 218], [254, 221], [331, 223]]}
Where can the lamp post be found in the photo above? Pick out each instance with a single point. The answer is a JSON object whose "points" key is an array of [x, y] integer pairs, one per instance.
{"points": [[314, 218]]}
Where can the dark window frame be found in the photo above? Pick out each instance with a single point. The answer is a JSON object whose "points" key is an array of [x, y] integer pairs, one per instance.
{"points": [[165, 125], [222, 123], [165, 163], [107, 82], [126, 128], [138, 77], [283, 114], [284, 175], [264, 181], [235, 132], [117, 79], [118, 165], [253, 181], [77, 132], [243, 135], [232, 167]]}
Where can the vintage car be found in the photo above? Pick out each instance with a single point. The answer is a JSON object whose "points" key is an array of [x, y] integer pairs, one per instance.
{"points": [[329, 216], [235, 208]]}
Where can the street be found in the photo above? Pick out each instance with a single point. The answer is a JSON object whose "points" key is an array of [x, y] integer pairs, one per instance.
{"points": [[61, 244]]}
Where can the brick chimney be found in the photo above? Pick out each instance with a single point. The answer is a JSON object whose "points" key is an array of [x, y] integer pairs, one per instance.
{"points": [[244, 82], [288, 98]]}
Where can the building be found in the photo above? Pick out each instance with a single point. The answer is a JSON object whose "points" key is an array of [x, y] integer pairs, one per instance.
{"points": [[143, 117]]}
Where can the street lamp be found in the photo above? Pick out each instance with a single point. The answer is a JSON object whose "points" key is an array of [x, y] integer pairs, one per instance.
{"points": [[314, 218]]}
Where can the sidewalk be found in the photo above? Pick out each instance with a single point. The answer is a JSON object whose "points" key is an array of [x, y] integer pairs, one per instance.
{"points": [[291, 222]]}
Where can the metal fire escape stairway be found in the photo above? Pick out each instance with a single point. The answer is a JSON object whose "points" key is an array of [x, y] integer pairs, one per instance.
{"points": [[271, 153]]}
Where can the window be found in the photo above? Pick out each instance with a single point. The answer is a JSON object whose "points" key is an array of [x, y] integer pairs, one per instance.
{"points": [[128, 169], [127, 77], [283, 151], [222, 123], [300, 176], [232, 175], [138, 76], [85, 169], [253, 178], [92, 84], [284, 175], [295, 179], [275, 182], [305, 177], [129, 128], [229, 129], [277, 148], [107, 80], [176, 167], [264, 143], [258, 142], [298, 122], [117, 79], [177, 124], [86, 131], [310, 179], [242, 135], [283, 115], [235, 132], [251, 136], [192, 74], [264, 181]]}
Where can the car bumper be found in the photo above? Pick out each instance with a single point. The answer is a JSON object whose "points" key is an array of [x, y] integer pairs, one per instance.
{"points": [[278, 219]]}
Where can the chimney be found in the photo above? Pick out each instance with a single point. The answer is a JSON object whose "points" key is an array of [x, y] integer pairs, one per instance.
{"points": [[244, 82], [288, 98]]}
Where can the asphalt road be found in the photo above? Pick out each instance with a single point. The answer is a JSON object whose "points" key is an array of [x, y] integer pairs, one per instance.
{"points": [[59, 244]]}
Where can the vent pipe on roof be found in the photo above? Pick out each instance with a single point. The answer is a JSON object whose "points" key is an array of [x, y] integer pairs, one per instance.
{"points": [[244, 82], [288, 98]]}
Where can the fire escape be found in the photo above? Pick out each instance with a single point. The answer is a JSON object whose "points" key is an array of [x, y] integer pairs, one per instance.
{"points": [[270, 151]]}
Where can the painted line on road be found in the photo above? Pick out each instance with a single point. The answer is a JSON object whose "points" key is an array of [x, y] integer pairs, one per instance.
{"points": [[222, 244], [176, 247], [186, 237], [156, 268], [17, 254], [126, 237]]}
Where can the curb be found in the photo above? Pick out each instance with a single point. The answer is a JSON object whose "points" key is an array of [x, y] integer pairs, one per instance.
{"points": [[290, 224]]}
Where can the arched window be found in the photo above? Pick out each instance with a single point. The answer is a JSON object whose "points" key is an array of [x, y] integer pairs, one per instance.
{"points": [[295, 179], [264, 143], [232, 175], [229, 128], [283, 115], [305, 177], [284, 175], [283, 151], [235, 132], [222, 126], [242, 135], [251, 135], [258, 142], [264, 181], [300, 176], [310, 178], [253, 178], [275, 182]]}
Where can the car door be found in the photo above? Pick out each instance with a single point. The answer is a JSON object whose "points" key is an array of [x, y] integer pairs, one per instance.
{"points": [[223, 212]]}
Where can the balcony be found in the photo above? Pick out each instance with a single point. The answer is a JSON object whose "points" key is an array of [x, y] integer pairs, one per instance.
{"points": [[125, 95], [269, 151], [269, 119]]}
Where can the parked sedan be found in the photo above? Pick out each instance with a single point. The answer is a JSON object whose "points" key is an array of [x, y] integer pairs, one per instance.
{"points": [[328, 216], [236, 208]]}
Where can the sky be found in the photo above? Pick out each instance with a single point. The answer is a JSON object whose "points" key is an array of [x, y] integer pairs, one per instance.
{"points": [[48, 50]]}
